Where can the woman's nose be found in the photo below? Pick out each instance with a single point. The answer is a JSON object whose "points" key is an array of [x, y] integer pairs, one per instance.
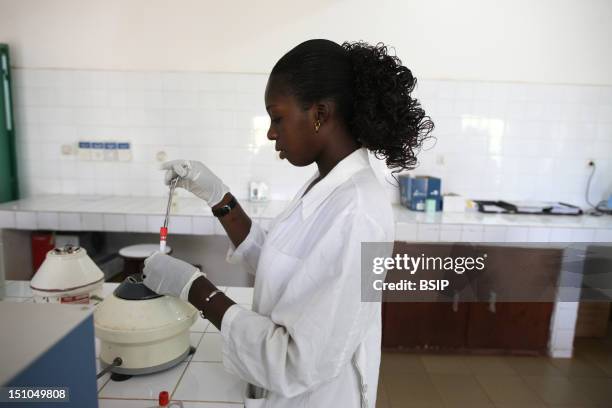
{"points": [[271, 134]]}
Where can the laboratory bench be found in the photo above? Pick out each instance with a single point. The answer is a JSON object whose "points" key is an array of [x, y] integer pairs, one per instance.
{"points": [[190, 216], [200, 381], [555, 321]]}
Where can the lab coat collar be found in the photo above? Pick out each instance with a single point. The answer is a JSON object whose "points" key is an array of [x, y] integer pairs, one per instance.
{"points": [[348, 166]]}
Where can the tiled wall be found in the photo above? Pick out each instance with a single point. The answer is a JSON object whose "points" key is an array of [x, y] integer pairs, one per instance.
{"points": [[493, 140]]}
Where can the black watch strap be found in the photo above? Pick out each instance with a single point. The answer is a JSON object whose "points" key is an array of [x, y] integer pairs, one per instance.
{"points": [[224, 210]]}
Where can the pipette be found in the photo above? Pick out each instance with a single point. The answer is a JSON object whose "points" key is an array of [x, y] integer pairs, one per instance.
{"points": [[163, 231]]}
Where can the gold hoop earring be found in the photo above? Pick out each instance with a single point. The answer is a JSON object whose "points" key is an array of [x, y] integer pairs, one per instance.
{"points": [[317, 125]]}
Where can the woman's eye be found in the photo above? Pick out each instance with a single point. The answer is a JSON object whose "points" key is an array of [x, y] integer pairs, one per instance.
{"points": [[276, 120]]}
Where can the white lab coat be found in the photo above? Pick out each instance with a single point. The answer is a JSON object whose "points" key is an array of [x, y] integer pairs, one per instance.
{"points": [[309, 341]]}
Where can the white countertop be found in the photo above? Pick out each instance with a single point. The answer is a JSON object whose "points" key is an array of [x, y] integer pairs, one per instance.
{"points": [[199, 381], [191, 216]]}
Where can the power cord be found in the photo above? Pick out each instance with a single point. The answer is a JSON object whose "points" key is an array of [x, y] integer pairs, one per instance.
{"points": [[598, 209], [588, 187]]}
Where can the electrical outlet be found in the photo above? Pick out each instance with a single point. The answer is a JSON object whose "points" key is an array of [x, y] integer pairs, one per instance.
{"points": [[124, 151], [67, 150], [84, 151], [110, 151], [590, 163], [97, 151]]}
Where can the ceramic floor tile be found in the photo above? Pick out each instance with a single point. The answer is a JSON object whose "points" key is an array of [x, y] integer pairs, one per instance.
{"points": [[601, 359], [209, 382], [401, 363], [457, 388], [597, 390], [124, 403], [556, 390], [442, 364], [145, 386], [382, 399], [210, 348], [240, 295], [510, 389], [525, 405], [489, 365], [578, 367], [411, 390], [533, 366], [457, 404], [582, 345]]}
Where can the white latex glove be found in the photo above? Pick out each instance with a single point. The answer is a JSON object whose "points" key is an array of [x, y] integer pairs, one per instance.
{"points": [[195, 177], [166, 275]]}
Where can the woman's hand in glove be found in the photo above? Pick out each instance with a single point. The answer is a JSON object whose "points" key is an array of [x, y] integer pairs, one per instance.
{"points": [[166, 275], [195, 177]]}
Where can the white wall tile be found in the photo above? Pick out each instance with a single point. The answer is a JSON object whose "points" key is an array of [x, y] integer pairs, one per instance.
{"points": [[136, 223], [428, 232], [517, 234], [25, 220], [565, 319], [472, 233], [405, 232], [563, 339], [92, 222], [114, 222], [582, 235], [180, 225], [494, 233], [7, 219], [450, 233], [154, 223], [560, 235], [47, 220], [538, 234], [70, 221], [525, 136], [203, 225], [603, 235]]}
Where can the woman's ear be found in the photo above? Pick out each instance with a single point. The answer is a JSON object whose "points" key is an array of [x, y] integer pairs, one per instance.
{"points": [[323, 111]]}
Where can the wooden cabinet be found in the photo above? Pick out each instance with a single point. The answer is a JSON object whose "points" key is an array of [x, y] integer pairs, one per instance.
{"points": [[458, 323]]}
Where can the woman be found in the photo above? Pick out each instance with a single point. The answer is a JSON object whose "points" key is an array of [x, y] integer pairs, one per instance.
{"points": [[309, 340]]}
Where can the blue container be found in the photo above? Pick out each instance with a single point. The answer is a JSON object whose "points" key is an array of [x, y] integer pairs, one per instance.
{"points": [[405, 189], [422, 188]]}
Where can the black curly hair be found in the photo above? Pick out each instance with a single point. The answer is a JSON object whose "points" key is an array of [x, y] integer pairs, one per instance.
{"points": [[371, 90]]}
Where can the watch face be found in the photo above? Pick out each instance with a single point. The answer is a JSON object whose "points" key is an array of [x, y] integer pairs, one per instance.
{"points": [[225, 209]]}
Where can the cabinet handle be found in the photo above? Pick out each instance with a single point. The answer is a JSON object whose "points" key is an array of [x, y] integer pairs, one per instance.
{"points": [[456, 302], [492, 300]]}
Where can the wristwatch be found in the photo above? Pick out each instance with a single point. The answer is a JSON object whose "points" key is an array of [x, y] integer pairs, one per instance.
{"points": [[224, 210]]}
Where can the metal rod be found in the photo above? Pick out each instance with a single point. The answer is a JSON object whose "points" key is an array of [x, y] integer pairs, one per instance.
{"points": [[172, 187], [116, 363]]}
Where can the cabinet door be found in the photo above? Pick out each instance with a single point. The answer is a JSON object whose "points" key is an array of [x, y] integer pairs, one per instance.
{"points": [[437, 323], [528, 274], [513, 326], [422, 325]]}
